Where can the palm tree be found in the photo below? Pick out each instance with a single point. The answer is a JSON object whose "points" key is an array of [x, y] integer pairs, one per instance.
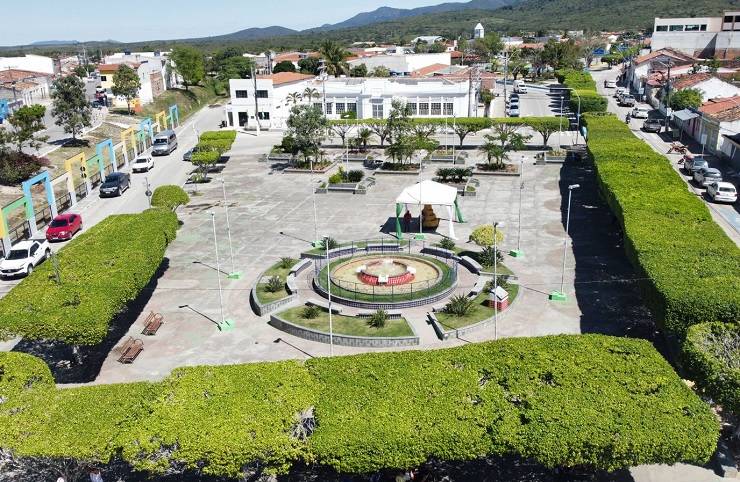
{"points": [[334, 55], [310, 93], [364, 136], [294, 98]]}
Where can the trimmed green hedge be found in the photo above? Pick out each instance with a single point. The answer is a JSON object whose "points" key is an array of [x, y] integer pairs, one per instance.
{"points": [[586, 400], [590, 101], [215, 135], [19, 371], [480, 122], [576, 79], [101, 270], [692, 266], [169, 197], [710, 358]]}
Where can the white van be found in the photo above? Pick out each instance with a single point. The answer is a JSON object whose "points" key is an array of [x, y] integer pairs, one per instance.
{"points": [[610, 84], [519, 87], [164, 143]]}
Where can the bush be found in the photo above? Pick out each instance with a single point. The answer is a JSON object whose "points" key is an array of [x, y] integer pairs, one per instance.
{"points": [[459, 305], [20, 372], [311, 312], [330, 241], [487, 256], [378, 319], [355, 175], [712, 356], [101, 271], [576, 79], [587, 400], [692, 267], [444, 173], [287, 262], [205, 157], [590, 101], [274, 284], [483, 235], [447, 243], [218, 135], [169, 197], [16, 167], [218, 145], [336, 178]]}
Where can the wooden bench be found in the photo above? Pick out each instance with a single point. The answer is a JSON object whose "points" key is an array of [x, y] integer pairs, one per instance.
{"points": [[325, 305], [478, 288], [471, 264], [291, 284], [152, 323], [131, 350]]}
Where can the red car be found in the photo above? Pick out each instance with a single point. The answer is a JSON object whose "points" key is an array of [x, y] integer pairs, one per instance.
{"points": [[63, 227]]}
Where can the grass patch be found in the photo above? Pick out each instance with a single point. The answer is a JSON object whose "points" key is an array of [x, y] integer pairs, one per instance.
{"points": [[346, 325], [481, 311], [188, 101], [264, 296]]}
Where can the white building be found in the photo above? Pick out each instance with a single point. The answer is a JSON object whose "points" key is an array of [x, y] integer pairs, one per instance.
{"points": [[367, 97], [479, 31], [32, 63], [700, 37], [403, 63], [155, 62]]}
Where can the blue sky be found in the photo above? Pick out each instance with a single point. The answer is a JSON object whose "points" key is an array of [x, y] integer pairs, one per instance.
{"points": [[83, 20]]}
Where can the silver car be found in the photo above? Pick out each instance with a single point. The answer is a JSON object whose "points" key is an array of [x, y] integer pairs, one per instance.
{"points": [[707, 175]]}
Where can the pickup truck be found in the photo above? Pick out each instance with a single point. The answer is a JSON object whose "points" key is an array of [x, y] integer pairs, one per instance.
{"points": [[24, 257]]}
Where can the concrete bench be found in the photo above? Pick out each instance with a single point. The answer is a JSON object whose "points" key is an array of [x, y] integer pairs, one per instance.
{"points": [[325, 305], [471, 264], [280, 157], [300, 266], [291, 284], [384, 247], [437, 327], [437, 251], [439, 307], [478, 288], [392, 314]]}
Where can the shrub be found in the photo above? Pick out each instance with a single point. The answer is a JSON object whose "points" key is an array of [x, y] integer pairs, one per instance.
{"points": [[447, 243], [444, 173], [101, 270], [205, 157], [692, 267], [218, 145], [286, 262], [311, 312], [169, 197], [16, 167], [576, 79], [336, 178], [378, 319], [218, 135], [330, 241], [488, 254], [483, 235], [355, 175], [20, 372], [274, 284], [459, 305], [460, 173], [590, 101]]}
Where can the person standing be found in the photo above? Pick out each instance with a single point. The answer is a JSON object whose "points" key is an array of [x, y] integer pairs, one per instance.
{"points": [[407, 221]]}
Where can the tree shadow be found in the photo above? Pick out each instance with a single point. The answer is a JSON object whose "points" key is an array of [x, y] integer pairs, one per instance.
{"points": [[59, 356]]}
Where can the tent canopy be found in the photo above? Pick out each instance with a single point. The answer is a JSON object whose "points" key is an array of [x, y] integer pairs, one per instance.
{"points": [[428, 192]]}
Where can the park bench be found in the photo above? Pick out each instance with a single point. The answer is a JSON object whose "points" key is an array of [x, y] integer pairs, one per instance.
{"points": [[353, 158], [131, 350], [300, 266], [152, 323], [478, 288], [437, 326], [393, 247], [392, 314], [471, 264], [280, 157], [325, 305], [291, 284], [436, 251]]}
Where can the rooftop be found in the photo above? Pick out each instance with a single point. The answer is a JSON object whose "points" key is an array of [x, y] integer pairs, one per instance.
{"points": [[286, 77], [722, 110], [664, 52], [690, 80], [114, 67], [11, 75]]}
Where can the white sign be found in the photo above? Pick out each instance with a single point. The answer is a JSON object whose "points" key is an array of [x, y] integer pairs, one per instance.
{"points": [[703, 139]]}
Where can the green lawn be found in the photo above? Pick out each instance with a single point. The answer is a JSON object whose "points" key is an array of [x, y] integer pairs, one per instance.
{"points": [[265, 296], [278, 270], [480, 311], [346, 325], [358, 244]]}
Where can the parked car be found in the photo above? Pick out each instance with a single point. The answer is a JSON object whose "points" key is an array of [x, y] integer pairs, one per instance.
{"points": [[64, 227], [188, 156], [692, 164], [142, 164], [514, 111], [707, 175], [521, 89], [115, 183], [24, 257], [164, 143], [652, 125], [620, 92], [640, 112], [627, 101], [722, 192]]}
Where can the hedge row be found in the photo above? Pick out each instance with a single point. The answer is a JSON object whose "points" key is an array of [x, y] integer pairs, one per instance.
{"points": [[576, 79], [584, 87], [587, 400], [692, 266], [218, 135], [19, 371], [712, 355], [169, 197], [100, 271]]}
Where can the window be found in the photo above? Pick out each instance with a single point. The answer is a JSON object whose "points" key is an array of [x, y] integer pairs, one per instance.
{"points": [[341, 108], [242, 94], [412, 108], [352, 107], [377, 111], [692, 28], [676, 28], [703, 27], [263, 115], [424, 108], [103, 78], [243, 119], [737, 18], [262, 94], [436, 108], [329, 107], [661, 28], [449, 108], [317, 105], [728, 18]]}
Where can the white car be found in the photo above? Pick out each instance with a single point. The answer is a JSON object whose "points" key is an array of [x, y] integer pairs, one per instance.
{"points": [[722, 192], [23, 257], [640, 112], [620, 92], [142, 164], [610, 84], [514, 111]]}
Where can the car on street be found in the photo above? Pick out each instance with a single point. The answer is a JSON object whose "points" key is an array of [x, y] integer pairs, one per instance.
{"points": [[64, 227], [707, 175], [640, 112], [521, 89], [652, 125], [24, 257], [115, 184], [620, 92], [610, 84], [164, 143], [514, 111], [722, 192], [693, 164], [627, 101], [142, 164], [188, 156]]}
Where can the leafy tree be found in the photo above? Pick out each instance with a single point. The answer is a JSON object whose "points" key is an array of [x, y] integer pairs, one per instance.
{"points": [[126, 83], [486, 96], [483, 235], [80, 71], [307, 126], [358, 71], [399, 119], [69, 105], [488, 47], [562, 55], [437, 48], [342, 130], [309, 65], [381, 71], [334, 57], [189, 63], [234, 68], [545, 127], [463, 129], [589, 44], [284, 66], [26, 122], [294, 98], [363, 137], [310, 94], [518, 65], [685, 98], [381, 130], [505, 138]]}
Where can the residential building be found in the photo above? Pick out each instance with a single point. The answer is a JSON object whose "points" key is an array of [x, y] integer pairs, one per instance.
{"points": [[700, 37], [31, 63], [366, 97], [479, 31], [23, 86], [402, 64], [150, 76], [719, 121], [156, 61], [710, 86], [646, 72]]}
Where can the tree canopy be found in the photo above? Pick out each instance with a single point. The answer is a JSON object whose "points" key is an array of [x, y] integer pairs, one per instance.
{"points": [[69, 105], [126, 83], [685, 98], [189, 62]]}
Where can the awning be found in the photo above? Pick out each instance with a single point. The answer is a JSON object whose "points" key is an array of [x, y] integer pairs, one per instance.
{"points": [[684, 115]]}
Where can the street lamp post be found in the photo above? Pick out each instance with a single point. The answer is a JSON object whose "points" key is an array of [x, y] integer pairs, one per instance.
{"points": [[148, 191], [328, 285], [313, 200], [560, 125], [234, 274], [517, 253], [496, 225], [560, 295], [225, 324]]}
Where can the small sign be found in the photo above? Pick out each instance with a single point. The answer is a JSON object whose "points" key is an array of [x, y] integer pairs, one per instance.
{"points": [[703, 139]]}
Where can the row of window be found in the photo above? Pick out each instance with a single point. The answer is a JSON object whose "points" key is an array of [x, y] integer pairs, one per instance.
{"points": [[682, 28], [244, 94], [341, 107], [422, 108]]}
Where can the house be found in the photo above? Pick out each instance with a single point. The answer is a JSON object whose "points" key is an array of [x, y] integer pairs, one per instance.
{"points": [[644, 73], [156, 60], [31, 63], [710, 86], [367, 98], [718, 120], [292, 57], [150, 76], [401, 63], [700, 37], [23, 86]]}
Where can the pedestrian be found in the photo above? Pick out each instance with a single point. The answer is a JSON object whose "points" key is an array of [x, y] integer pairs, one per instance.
{"points": [[96, 476], [407, 220], [627, 118]]}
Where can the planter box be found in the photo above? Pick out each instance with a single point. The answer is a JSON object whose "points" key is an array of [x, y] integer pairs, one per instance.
{"points": [[554, 159], [399, 173], [496, 173], [293, 170]]}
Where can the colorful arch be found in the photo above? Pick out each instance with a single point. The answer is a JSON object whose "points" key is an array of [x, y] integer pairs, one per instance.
{"points": [[100, 149], [4, 214], [174, 116], [146, 126], [43, 176], [161, 120], [5, 109], [130, 135]]}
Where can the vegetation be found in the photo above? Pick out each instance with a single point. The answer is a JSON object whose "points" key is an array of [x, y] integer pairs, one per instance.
{"points": [[483, 235], [101, 270], [378, 319], [454, 174], [480, 310], [126, 84], [347, 325], [353, 176], [310, 312], [70, 108], [211, 146], [16, 165], [189, 63], [541, 398], [306, 129], [685, 98], [328, 243], [274, 284], [447, 243], [459, 305], [505, 138], [169, 197], [489, 257], [584, 95], [334, 56], [284, 66]]}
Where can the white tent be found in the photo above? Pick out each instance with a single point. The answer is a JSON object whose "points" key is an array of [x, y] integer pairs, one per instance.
{"points": [[429, 192]]}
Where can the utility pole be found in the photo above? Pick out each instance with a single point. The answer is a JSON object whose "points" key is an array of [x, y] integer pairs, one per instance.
{"points": [[506, 75], [256, 102]]}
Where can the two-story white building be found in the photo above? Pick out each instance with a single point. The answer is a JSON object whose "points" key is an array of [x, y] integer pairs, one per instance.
{"points": [[700, 37], [269, 104], [402, 63]]}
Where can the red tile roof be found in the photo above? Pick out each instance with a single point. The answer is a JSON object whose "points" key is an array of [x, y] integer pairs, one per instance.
{"points": [[691, 80], [114, 67], [722, 109], [286, 77], [11, 75], [667, 52], [429, 69]]}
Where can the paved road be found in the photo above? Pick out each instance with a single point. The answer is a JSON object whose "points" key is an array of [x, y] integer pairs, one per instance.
{"points": [[726, 215]]}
